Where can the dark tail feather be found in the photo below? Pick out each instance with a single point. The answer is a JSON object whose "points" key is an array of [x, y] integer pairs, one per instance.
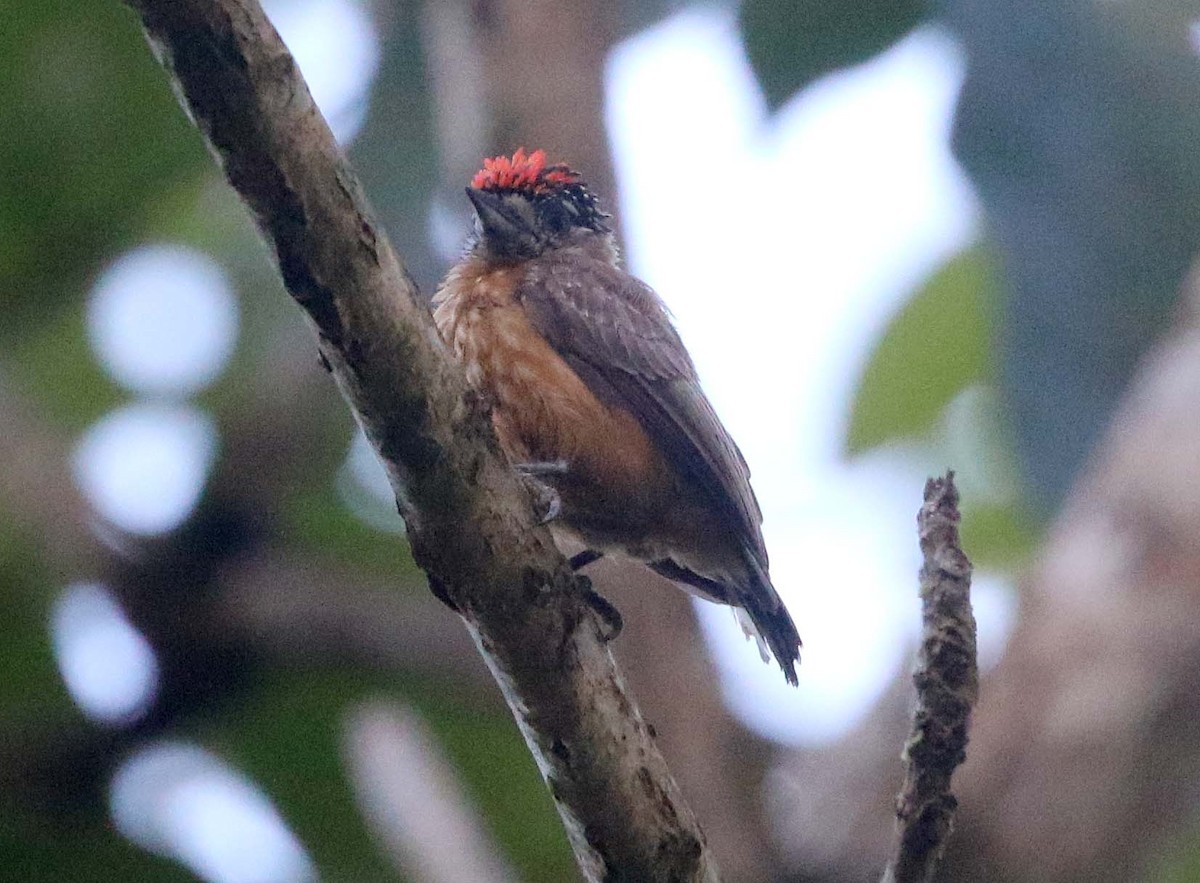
{"points": [[760, 601], [772, 620]]}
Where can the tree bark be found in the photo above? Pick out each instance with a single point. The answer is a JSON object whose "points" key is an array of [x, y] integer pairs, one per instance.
{"points": [[947, 682], [469, 519]]}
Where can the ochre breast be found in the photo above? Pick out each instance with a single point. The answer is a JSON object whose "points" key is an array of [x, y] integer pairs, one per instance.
{"points": [[542, 410]]}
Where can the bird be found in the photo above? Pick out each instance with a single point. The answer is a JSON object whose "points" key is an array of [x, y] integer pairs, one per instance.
{"points": [[594, 396]]}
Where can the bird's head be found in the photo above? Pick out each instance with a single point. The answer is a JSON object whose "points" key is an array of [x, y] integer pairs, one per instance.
{"points": [[524, 207]]}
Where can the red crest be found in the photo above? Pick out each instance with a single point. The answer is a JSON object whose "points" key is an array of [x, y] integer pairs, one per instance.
{"points": [[522, 172]]}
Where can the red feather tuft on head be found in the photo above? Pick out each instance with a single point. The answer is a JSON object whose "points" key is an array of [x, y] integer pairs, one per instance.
{"points": [[521, 172]]}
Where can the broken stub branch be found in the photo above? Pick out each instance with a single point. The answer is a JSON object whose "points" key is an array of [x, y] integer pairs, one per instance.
{"points": [[947, 682], [470, 521]]}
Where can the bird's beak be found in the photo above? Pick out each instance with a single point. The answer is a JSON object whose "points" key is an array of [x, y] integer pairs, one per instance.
{"points": [[507, 222], [500, 220]]}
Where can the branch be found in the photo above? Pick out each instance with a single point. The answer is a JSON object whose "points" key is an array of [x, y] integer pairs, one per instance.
{"points": [[947, 681], [469, 521]]}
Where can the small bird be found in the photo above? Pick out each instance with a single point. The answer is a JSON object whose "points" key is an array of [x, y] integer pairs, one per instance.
{"points": [[594, 395]]}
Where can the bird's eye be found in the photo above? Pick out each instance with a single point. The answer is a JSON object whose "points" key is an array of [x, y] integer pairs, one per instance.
{"points": [[556, 216]]}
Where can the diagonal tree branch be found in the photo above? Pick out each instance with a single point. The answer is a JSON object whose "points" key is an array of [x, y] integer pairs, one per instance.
{"points": [[469, 520]]}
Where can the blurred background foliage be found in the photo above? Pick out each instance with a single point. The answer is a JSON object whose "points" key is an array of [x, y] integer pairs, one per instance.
{"points": [[1012, 354]]}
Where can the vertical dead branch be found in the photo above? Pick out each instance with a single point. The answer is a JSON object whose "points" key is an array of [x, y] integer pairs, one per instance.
{"points": [[1083, 758], [947, 681]]}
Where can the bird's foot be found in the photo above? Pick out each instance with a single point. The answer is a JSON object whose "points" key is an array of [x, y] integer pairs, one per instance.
{"points": [[547, 504], [546, 500], [609, 616], [544, 467], [580, 560]]}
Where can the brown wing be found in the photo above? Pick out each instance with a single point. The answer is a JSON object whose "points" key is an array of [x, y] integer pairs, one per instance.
{"points": [[616, 334]]}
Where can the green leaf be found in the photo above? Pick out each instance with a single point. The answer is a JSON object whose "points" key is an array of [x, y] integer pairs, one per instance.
{"points": [[999, 537], [937, 345], [792, 42]]}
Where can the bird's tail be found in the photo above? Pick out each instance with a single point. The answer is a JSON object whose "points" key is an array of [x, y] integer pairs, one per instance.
{"points": [[750, 630], [757, 606], [770, 620]]}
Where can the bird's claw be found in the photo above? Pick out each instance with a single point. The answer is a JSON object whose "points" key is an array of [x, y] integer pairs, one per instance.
{"points": [[547, 504], [553, 505], [609, 617]]}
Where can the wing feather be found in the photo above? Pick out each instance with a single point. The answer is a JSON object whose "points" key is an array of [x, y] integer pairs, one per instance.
{"points": [[616, 333]]}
